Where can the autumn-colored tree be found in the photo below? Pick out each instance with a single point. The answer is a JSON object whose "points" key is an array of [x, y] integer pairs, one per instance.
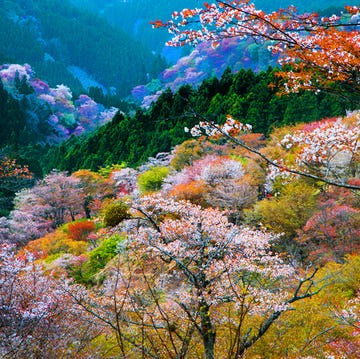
{"points": [[319, 52], [325, 234], [80, 230], [193, 191], [9, 168], [13, 177], [54, 245], [95, 187]]}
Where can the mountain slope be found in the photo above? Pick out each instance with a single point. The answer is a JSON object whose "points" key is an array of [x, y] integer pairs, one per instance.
{"points": [[245, 95], [53, 35]]}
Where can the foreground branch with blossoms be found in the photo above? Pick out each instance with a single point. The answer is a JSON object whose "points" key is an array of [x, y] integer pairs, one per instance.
{"points": [[319, 53], [37, 318]]}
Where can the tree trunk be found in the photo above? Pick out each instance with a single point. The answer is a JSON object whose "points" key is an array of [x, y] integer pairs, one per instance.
{"points": [[207, 331]]}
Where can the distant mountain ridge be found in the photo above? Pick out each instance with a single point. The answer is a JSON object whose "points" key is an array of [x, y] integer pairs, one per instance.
{"points": [[189, 65]]}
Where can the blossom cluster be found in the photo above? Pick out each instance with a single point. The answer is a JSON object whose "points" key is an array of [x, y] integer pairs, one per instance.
{"points": [[209, 250], [231, 127], [68, 116], [322, 144], [319, 50]]}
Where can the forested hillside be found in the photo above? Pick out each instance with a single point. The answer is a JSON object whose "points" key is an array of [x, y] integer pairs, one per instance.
{"points": [[67, 45], [210, 232], [34, 116], [245, 95]]}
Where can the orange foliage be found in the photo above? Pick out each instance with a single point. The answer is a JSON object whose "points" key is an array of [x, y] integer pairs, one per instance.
{"points": [[9, 168], [79, 231], [333, 56], [54, 243], [254, 140], [193, 192], [320, 51], [96, 205]]}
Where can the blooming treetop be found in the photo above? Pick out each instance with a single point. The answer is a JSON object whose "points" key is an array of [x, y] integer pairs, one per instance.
{"points": [[208, 250], [181, 262], [319, 147]]}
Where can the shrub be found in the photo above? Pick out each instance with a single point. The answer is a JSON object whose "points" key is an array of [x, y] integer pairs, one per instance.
{"points": [[79, 231], [151, 180], [55, 243], [98, 258], [289, 211], [114, 213]]}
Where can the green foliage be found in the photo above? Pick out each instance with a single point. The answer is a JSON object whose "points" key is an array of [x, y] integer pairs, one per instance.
{"points": [[115, 212], [151, 180], [98, 258], [288, 211], [106, 171], [186, 153]]}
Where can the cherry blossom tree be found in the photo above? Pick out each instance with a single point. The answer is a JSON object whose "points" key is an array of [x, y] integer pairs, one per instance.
{"points": [[187, 282], [53, 201], [323, 150], [330, 148], [37, 317], [125, 181], [217, 181]]}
